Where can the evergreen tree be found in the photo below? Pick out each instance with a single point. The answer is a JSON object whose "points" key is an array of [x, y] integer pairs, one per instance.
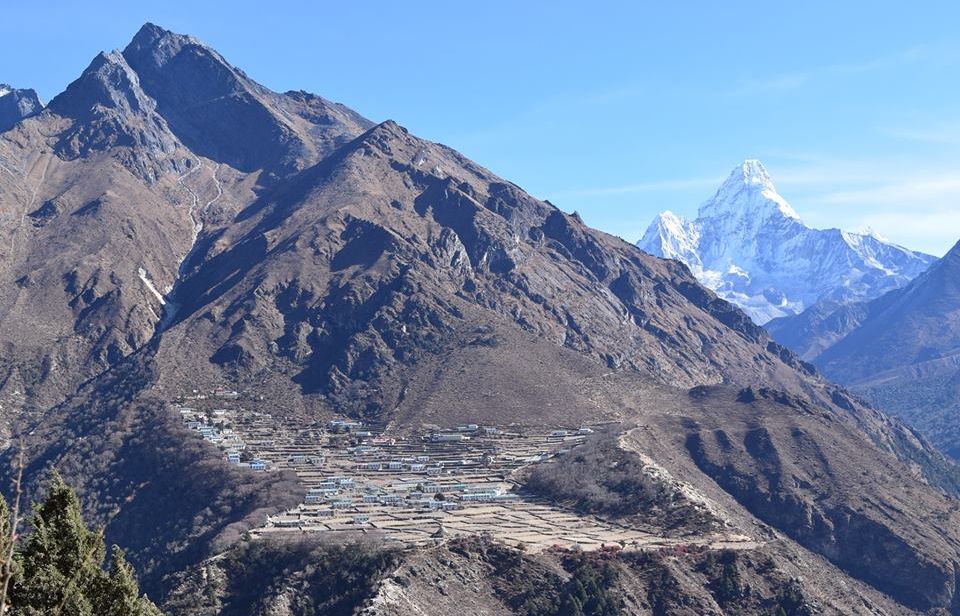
{"points": [[121, 593], [60, 569], [4, 524], [61, 560], [571, 606]]}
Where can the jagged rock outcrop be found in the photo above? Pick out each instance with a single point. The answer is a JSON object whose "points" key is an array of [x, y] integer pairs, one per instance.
{"points": [[205, 99], [17, 104]]}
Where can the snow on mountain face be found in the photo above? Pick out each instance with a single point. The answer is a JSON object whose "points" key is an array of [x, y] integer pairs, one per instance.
{"points": [[748, 191], [751, 248], [672, 237]]}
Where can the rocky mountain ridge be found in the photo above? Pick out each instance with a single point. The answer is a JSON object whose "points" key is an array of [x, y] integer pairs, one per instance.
{"points": [[17, 104]]}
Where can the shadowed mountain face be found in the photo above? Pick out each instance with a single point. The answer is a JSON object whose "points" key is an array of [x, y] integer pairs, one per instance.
{"points": [[169, 225], [901, 350], [818, 327], [204, 99], [16, 104]]}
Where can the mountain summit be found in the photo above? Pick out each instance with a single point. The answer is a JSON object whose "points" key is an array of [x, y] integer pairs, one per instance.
{"points": [[16, 104], [748, 192], [204, 98], [751, 247]]}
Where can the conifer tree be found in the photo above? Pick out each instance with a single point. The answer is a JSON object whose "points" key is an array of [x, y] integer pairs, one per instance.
{"points": [[7, 564], [571, 606], [4, 523], [60, 568], [61, 560], [121, 593]]}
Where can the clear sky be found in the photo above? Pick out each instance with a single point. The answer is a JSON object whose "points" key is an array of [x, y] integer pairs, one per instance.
{"points": [[616, 110]]}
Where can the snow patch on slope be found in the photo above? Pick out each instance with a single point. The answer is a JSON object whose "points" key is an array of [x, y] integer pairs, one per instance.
{"points": [[147, 281]]}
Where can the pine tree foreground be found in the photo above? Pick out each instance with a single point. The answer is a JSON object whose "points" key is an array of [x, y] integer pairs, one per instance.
{"points": [[58, 570]]}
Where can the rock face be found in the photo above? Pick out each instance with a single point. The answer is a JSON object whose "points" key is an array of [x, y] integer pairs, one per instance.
{"points": [[901, 350], [16, 104], [791, 474], [104, 201], [108, 109], [205, 99], [358, 266], [169, 224], [751, 248]]}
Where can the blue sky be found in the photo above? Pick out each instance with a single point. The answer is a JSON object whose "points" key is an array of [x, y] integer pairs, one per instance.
{"points": [[616, 110]]}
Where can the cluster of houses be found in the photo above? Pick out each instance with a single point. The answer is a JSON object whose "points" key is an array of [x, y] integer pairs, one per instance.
{"points": [[465, 432], [405, 486], [340, 496], [357, 477], [214, 426], [413, 488], [371, 477], [370, 453]]}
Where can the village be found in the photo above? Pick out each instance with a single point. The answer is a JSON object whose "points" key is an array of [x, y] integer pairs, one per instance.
{"points": [[415, 487]]}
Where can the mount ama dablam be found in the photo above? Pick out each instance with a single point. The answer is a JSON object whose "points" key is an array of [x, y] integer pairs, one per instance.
{"points": [[749, 246]]}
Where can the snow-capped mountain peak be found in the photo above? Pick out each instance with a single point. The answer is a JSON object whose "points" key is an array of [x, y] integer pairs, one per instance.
{"points": [[5, 89], [750, 246], [752, 173], [747, 192], [674, 237]]}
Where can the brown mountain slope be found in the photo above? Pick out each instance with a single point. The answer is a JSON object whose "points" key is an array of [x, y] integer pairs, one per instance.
{"points": [[917, 324], [101, 201], [408, 296], [355, 267], [901, 350], [482, 577]]}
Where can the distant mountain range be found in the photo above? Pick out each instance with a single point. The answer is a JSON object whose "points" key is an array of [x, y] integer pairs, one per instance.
{"points": [[901, 350], [169, 227], [749, 246]]}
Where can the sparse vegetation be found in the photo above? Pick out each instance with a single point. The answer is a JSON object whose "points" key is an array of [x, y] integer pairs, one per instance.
{"points": [[600, 478], [725, 583], [316, 578], [590, 589]]}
